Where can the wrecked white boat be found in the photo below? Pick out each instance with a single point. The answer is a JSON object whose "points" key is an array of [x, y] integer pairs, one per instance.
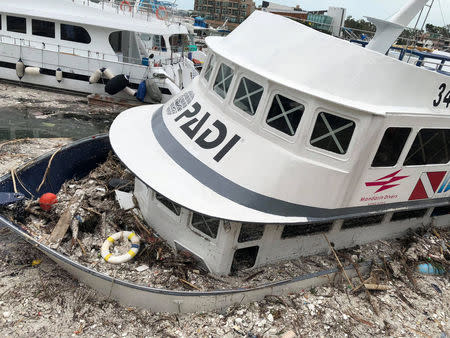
{"points": [[258, 158]]}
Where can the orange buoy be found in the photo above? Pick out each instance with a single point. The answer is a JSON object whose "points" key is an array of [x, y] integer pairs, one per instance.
{"points": [[47, 200]]}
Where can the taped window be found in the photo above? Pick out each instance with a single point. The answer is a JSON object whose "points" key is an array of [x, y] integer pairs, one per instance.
{"points": [[43, 28], [248, 96], [285, 114], [391, 147], [16, 24], [332, 133], [431, 146], [207, 225], [172, 206], [223, 80], [209, 68]]}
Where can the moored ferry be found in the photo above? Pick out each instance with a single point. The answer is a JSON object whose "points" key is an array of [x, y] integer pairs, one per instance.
{"points": [[81, 46]]}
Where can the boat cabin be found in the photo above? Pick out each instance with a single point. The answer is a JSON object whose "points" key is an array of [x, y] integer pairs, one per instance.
{"points": [[261, 156]]}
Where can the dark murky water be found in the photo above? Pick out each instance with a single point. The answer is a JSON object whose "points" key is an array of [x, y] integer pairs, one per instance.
{"points": [[16, 123]]}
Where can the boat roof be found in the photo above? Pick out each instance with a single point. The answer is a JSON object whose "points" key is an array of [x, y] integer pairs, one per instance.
{"points": [[73, 12], [327, 67]]}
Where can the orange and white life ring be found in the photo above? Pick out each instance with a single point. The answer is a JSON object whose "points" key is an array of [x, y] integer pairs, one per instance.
{"points": [[158, 13], [125, 2]]}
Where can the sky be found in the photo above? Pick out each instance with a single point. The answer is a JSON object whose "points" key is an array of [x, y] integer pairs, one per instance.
{"points": [[381, 9]]}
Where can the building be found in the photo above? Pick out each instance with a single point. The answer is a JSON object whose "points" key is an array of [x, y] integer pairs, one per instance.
{"points": [[295, 13], [217, 12]]}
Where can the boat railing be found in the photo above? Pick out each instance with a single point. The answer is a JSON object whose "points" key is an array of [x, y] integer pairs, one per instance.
{"points": [[159, 60], [141, 9]]}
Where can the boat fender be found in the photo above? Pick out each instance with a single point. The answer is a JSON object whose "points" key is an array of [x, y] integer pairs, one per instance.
{"points": [[95, 76], [153, 93], [108, 74], [32, 70], [142, 90], [129, 91], [59, 75], [20, 69], [116, 84], [110, 258], [163, 15]]}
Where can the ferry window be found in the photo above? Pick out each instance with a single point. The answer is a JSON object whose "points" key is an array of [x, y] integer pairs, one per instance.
{"points": [[16, 24], [248, 96], [223, 80], [208, 225], [210, 67], [285, 114], [431, 146], [250, 232], [295, 230], [74, 33], [172, 206], [332, 133], [43, 28], [391, 147]]}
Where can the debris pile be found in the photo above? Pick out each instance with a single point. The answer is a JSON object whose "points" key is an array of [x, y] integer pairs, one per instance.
{"points": [[87, 213]]}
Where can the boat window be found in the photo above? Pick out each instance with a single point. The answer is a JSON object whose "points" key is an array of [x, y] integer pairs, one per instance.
{"points": [[250, 232], [295, 230], [16, 24], [159, 43], [332, 133], [244, 258], [172, 206], [74, 33], [223, 80], [431, 146], [210, 67], [408, 214], [285, 114], [362, 221], [43, 28], [248, 96], [208, 225], [391, 147]]}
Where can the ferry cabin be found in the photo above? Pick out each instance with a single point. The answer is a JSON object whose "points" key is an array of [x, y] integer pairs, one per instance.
{"points": [[359, 151], [81, 39]]}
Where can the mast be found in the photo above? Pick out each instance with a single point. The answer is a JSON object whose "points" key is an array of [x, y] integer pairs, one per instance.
{"points": [[389, 30]]}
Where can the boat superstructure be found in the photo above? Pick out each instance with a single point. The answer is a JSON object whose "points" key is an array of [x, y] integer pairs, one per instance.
{"points": [[257, 158], [68, 45]]}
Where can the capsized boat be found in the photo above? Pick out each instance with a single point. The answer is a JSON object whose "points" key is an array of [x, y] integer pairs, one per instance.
{"points": [[269, 149]]}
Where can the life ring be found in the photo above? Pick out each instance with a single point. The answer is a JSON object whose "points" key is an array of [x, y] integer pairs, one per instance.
{"points": [[125, 2], [132, 237], [162, 8]]}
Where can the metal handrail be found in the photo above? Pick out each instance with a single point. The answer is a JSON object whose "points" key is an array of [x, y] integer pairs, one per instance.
{"points": [[88, 53]]}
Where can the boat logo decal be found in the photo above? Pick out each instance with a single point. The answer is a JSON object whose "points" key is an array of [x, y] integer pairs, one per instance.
{"points": [[385, 182], [428, 183], [180, 102], [191, 123]]}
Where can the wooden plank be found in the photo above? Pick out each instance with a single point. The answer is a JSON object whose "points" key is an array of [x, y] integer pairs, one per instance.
{"points": [[66, 219]]}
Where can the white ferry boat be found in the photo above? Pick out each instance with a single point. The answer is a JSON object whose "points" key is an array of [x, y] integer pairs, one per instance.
{"points": [[80, 46], [269, 149]]}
